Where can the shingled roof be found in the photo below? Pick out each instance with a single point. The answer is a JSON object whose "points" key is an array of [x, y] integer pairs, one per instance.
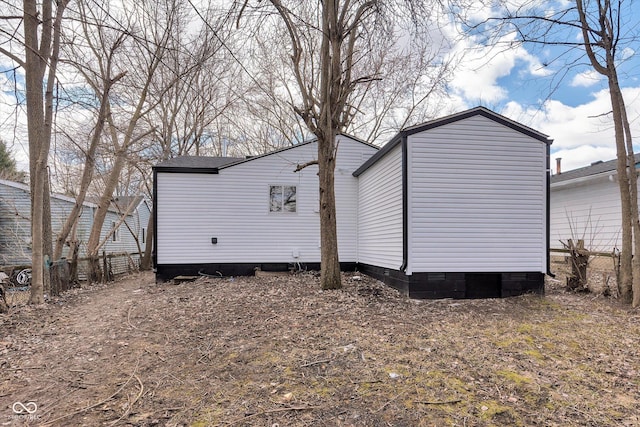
{"points": [[595, 168], [198, 162]]}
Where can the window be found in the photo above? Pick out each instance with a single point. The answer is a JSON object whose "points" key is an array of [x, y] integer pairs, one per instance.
{"points": [[115, 236], [144, 235], [282, 198]]}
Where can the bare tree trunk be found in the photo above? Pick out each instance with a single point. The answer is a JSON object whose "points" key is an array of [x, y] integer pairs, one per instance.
{"points": [[145, 265], [87, 173], [626, 272], [47, 238], [39, 124], [633, 186], [628, 182], [627, 179], [34, 71], [330, 272], [93, 244]]}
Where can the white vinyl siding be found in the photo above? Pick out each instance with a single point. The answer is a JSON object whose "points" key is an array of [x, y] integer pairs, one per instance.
{"points": [[15, 213], [380, 212], [589, 211], [477, 199], [233, 206]]}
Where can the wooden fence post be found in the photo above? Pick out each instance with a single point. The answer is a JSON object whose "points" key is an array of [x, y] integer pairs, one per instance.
{"points": [[105, 274]]}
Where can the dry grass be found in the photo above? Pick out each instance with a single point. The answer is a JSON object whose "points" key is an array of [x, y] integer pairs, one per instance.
{"points": [[278, 351]]}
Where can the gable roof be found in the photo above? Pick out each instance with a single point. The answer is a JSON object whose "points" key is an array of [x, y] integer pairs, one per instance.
{"points": [[27, 189], [126, 203], [204, 164], [477, 111], [596, 168]]}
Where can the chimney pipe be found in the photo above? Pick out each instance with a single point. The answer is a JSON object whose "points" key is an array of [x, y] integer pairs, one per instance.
{"points": [[558, 168]]}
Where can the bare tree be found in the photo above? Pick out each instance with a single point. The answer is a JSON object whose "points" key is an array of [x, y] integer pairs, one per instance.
{"points": [[185, 113], [41, 27], [601, 24], [332, 48], [100, 81], [151, 28], [601, 33]]}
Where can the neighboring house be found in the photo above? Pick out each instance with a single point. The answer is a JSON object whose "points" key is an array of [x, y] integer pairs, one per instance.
{"points": [[15, 223], [456, 207], [137, 210], [585, 204]]}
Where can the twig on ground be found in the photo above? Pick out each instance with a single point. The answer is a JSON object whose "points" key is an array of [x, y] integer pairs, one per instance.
{"points": [[130, 405], [317, 362], [438, 402], [24, 368], [386, 404], [365, 382], [87, 408], [149, 331], [273, 411]]}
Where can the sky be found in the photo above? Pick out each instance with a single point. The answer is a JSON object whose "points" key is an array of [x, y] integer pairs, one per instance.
{"points": [[554, 91], [531, 84]]}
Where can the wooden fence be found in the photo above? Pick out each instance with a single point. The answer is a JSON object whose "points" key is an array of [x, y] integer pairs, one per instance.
{"points": [[66, 275]]}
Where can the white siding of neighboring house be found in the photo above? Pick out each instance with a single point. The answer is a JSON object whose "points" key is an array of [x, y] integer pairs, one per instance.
{"points": [[15, 221], [142, 215], [380, 216], [15, 224], [589, 211], [233, 206], [126, 238], [477, 199]]}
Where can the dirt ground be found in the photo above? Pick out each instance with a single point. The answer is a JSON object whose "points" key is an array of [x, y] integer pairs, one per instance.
{"points": [[278, 351]]}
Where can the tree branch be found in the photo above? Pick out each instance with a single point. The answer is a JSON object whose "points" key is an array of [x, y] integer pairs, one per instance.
{"points": [[299, 167], [13, 57]]}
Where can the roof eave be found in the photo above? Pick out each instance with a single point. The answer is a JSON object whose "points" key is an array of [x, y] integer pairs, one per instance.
{"points": [[583, 179], [379, 154]]}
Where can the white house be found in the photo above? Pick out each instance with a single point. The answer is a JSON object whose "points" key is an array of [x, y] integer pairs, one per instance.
{"points": [[456, 207], [231, 215], [585, 204]]}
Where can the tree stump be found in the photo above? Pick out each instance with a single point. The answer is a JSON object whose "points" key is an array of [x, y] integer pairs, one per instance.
{"points": [[579, 257]]}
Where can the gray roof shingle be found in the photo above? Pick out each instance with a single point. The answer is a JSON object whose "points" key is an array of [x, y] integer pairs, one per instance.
{"points": [[198, 162], [594, 169]]}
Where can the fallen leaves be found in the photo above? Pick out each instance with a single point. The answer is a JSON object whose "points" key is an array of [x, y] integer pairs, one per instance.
{"points": [[277, 350]]}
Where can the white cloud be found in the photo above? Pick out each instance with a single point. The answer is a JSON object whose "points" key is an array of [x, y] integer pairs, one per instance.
{"points": [[626, 53], [586, 79], [481, 67], [581, 134], [581, 156]]}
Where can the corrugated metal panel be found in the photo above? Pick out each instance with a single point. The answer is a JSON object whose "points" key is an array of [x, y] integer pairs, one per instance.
{"points": [[590, 212], [233, 206], [380, 216], [476, 199]]}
